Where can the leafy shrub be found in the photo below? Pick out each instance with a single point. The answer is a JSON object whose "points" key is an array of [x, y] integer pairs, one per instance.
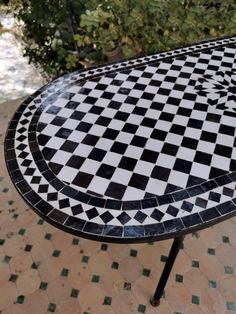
{"points": [[63, 35]]}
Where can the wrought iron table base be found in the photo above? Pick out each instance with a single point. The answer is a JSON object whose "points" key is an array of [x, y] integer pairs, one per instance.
{"points": [[176, 246]]}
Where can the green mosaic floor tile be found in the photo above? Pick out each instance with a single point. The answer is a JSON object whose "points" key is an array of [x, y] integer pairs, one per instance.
{"points": [[211, 251], [6, 259], [141, 308], [13, 278], [150, 243], [107, 300], [85, 259], [21, 231], [34, 265], [95, 279], [65, 272], [1, 179], [10, 202], [225, 239], [40, 222], [230, 306], [195, 264], [52, 307], [5, 190], [127, 286], [28, 247], [195, 299], [178, 278], [104, 247], [15, 216], [56, 253], [115, 265], [212, 283], [20, 299], [133, 253], [75, 241], [2, 241], [229, 270], [146, 272], [163, 258], [48, 236], [43, 285], [74, 293]]}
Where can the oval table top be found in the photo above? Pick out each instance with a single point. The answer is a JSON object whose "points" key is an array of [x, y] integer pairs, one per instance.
{"points": [[135, 151]]}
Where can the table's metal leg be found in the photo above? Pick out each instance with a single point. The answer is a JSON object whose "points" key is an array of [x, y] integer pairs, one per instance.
{"points": [[155, 300]]}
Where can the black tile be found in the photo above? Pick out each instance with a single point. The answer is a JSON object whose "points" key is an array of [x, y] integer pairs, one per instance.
{"points": [[97, 154], [83, 126], [75, 223], [158, 135], [154, 229], [133, 231], [115, 190], [69, 146], [78, 115], [140, 216], [148, 203], [82, 179], [110, 134], [177, 129], [170, 149], [97, 201], [203, 158], [182, 165], [191, 220], [113, 231], [160, 173], [131, 205], [149, 155], [59, 121], [209, 214], [120, 115], [166, 116], [138, 181], [105, 171], [63, 133], [90, 140], [165, 199], [113, 204], [171, 210], [75, 162], [77, 209], [106, 217], [138, 141], [93, 228], [123, 218], [44, 207], [148, 122], [127, 163], [119, 148], [157, 215], [226, 208], [173, 225], [130, 128]]}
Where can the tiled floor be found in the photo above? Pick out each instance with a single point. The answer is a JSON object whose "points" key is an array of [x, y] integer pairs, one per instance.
{"points": [[45, 270]]}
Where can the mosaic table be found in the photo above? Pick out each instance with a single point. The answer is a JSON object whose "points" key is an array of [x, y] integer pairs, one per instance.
{"points": [[136, 151]]}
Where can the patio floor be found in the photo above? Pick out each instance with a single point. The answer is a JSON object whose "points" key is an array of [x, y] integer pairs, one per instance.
{"points": [[45, 270]]}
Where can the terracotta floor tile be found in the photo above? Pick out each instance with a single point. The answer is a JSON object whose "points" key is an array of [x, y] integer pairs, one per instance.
{"points": [[123, 302], [112, 282], [61, 240], [70, 306], [5, 273], [40, 255], [80, 276], [49, 269], [90, 298], [143, 289], [34, 234], [103, 265], [59, 290], [211, 267], [21, 262], [71, 256], [28, 282], [130, 269], [195, 281], [36, 303], [8, 293], [227, 288], [14, 245], [118, 252]]}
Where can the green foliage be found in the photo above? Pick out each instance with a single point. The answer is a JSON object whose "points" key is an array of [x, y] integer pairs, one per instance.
{"points": [[62, 35]]}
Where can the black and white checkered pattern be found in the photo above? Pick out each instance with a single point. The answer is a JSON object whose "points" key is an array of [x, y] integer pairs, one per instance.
{"points": [[136, 143]]}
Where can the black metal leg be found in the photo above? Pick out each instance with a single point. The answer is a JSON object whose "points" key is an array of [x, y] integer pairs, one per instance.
{"points": [[155, 300]]}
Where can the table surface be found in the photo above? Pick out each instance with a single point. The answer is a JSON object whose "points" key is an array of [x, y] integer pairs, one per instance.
{"points": [[136, 151]]}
